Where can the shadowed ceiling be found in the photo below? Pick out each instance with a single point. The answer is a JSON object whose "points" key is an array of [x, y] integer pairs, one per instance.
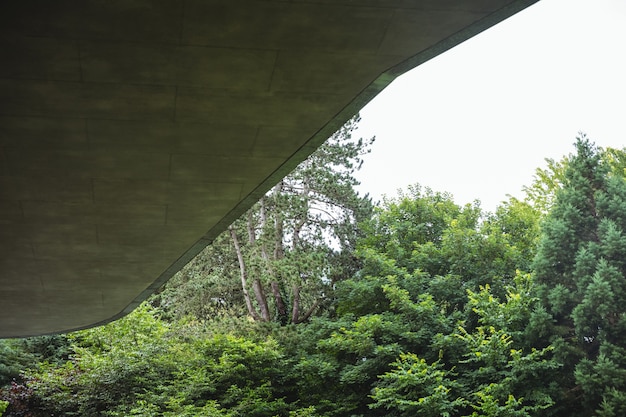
{"points": [[132, 132]]}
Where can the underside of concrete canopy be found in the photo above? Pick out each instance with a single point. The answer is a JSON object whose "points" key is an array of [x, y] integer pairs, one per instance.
{"points": [[132, 132]]}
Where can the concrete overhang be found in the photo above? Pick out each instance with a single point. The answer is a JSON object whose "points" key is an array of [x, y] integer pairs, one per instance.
{"points": [[132, 132]]}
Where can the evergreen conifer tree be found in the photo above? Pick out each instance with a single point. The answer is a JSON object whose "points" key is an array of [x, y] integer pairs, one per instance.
{"points": [[581, 274]]}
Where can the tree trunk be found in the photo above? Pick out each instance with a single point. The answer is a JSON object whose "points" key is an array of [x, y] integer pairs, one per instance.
{"points": [[258, 285], [280, 304], [261, 299], [295, 311], [279, 253], [279, 227], [244, 275]]}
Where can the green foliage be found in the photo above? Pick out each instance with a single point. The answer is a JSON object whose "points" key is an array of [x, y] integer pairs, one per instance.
{"points": [[446, 247], [433, 311], [546, 182], [490, 406], [144, 366], [17, 354], [417, 218], [13, 357], [581, 271], [486, 371], [420, 255], [616, 159], [423, 300], [415, 388]]}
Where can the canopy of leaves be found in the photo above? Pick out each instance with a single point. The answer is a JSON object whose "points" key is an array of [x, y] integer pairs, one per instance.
{"points": [[419, 307]]}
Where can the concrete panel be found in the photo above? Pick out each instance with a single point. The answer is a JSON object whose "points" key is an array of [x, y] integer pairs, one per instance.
{"points": [[279, 141], [40, 58], [33, 309], [327, 73], [67, 281], [159, 254], [20, 277], [4, 168], [83, 165], [197, 214], [46, 189], [171, 137], [222, 169], [164, 192], [42, 133], [15, 245], [220, 106], [278, 25], [122, 20], [69, 233], [63, 274], [419, 30], [11, 212], [424, 5], [67, 99], [162, 235], [50, 212], [177, 65]]}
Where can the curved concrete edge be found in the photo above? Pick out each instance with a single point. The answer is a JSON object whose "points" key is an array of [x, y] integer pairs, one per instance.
{"points": [[363, 98]]}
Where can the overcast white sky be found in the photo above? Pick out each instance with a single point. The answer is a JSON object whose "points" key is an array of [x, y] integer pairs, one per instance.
{"points": [[477, 120]]}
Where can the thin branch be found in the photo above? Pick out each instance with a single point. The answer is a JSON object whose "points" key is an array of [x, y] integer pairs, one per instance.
{"points": [[308, 313], [280, 304]]}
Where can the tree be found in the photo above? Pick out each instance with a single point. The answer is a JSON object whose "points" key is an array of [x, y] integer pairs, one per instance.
{"points": [[581, 272], [281, 259], [17, 354], [541, 194], [546, 181], [142, 365], [415, 223], [432, 322], [426, 231], [488, 370], [406, 330]]}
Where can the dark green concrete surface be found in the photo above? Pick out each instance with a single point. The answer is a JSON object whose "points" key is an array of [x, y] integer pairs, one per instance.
{"points": [[132, 132]]}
